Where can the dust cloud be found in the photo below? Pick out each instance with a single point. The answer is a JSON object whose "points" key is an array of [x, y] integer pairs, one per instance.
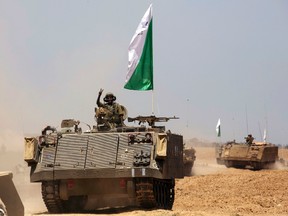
{"points": [[11, 141]]}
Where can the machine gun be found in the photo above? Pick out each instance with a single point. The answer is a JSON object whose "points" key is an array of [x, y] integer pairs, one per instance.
{"points": [[150, 119]]}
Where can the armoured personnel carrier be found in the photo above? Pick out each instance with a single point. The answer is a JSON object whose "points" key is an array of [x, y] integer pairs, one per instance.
{"points": [[255, 155], [189, 156], [120, 167]]}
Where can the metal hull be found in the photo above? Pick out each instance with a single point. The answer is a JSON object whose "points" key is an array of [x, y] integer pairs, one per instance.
{"points": [[97, 170], [242, 155]]}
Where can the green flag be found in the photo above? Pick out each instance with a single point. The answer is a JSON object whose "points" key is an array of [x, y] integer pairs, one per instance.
{"points": [[140, 56], [218, 128]]}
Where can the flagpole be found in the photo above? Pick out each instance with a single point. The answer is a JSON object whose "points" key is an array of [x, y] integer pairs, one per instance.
{"points": [[152, 102], [220, 139], [246, 119]]}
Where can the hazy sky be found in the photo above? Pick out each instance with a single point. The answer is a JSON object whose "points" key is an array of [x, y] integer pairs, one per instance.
{"points": [[212, 59]]}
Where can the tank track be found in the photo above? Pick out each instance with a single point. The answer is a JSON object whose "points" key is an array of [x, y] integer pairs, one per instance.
{"points": [[241, 165], [54, 204], [51, 196], [159, 193], [150, 193]]}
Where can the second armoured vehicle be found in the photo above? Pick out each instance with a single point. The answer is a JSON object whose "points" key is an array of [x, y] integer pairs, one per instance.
{"points": [[255, 155], [119, 167], [188, 159]]}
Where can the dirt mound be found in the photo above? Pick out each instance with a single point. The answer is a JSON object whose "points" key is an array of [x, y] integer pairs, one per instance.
{"points": [[217, 190], [235, 192]]}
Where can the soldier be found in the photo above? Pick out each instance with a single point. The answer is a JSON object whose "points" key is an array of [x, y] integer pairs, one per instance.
{"points": [[249, 139], [110, 114]]}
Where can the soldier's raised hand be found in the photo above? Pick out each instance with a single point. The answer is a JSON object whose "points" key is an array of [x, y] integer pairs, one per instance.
{"points": [[100, 91]]}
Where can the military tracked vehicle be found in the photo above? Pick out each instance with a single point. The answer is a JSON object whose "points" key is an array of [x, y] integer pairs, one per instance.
{"points": [[283, 156], [254, 155], [118, 167], [188, 159]]}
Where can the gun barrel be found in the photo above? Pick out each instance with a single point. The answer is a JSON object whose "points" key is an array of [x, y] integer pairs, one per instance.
{"points": [[131, 119], [151, 119]]}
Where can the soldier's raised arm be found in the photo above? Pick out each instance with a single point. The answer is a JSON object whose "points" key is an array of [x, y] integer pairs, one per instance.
{"points": [[99, 104]]}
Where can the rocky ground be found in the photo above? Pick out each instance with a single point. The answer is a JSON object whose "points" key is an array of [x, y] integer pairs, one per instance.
{"points": [[211, 190]]}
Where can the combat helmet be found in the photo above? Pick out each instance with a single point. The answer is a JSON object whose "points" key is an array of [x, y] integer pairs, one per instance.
{"points": [[109, 94]]}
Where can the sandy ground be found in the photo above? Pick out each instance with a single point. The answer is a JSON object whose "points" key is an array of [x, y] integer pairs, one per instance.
{"points": [[211, 190]]}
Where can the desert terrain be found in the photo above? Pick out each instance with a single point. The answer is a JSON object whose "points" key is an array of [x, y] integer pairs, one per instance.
{"points": [[212, 189]]}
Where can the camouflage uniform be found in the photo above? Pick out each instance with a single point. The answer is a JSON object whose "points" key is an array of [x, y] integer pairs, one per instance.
{"points": [[249, 139], [110, 114]]}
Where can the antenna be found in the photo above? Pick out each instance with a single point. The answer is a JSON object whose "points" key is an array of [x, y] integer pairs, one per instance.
{"points": [[260, 129], [187, 123], [266, 126], [246, 119], [233, 119]]}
